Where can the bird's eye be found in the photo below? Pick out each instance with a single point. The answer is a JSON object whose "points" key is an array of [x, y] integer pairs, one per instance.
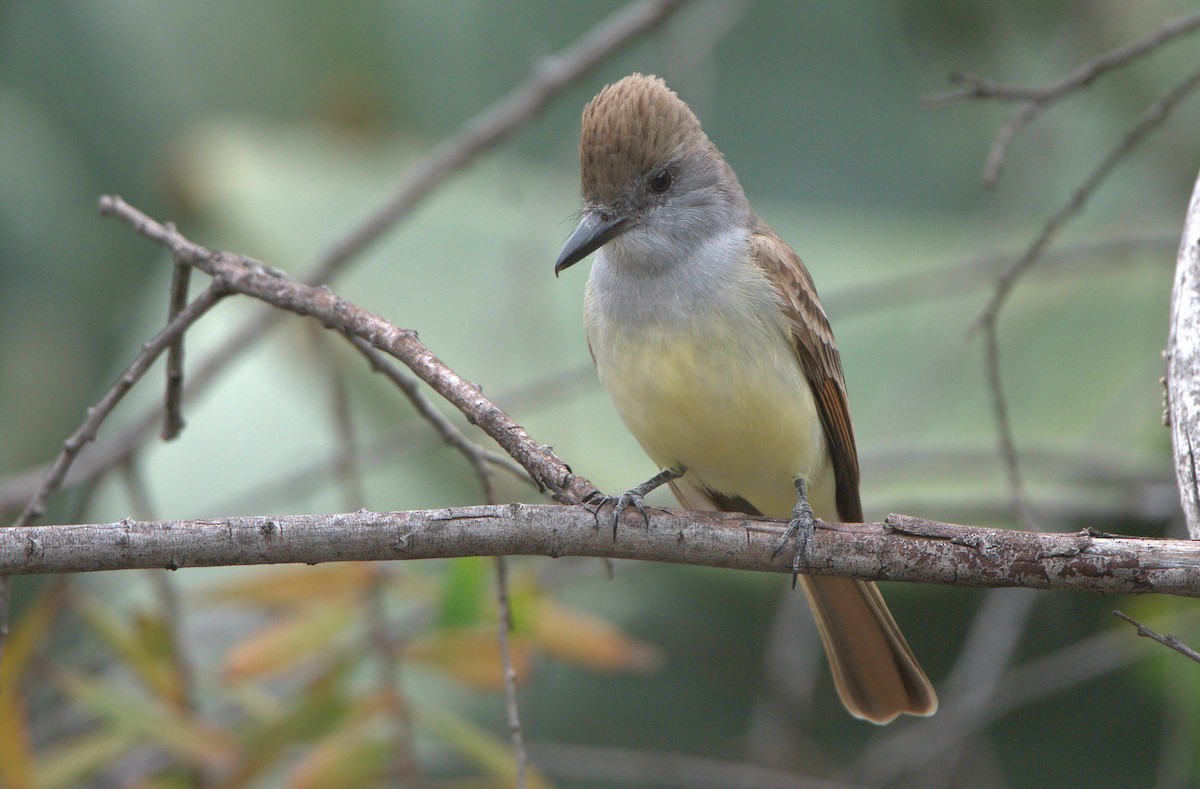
{"points": [[660, 181]]}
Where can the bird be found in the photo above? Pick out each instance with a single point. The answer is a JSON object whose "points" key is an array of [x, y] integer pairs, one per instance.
{"points": [[707, 332]]}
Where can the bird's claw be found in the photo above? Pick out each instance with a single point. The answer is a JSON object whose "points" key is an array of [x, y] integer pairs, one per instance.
{"points": [[801, 527], [619, 505], [635, 497]]}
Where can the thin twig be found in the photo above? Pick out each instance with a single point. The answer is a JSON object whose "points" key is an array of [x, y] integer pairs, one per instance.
{"points": [[403, 769], [96, 415], [627, 767], [550, 76], [975, 683], [1018, 497], [510, 674], [254, 279], [137, 490], [173, 399], [902, 751], [1036, 100], [481, 459], [411, 438], [168, 597], [1176, 757], [912, 288], [1148, 122], [346, 462], [167, 593], [907, 288], [1167, 640]]}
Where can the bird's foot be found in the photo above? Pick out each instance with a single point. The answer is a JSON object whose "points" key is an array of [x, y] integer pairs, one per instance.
{"points": [[801, 528], [634, 497]]}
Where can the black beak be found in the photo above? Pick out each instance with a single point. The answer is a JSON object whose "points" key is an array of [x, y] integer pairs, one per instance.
{"points": [[594, 231]]}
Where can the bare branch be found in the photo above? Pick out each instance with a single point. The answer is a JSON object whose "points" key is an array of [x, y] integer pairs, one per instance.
{"points": [[1183, 366], [96, 415], [346, 463], [403, 769], [973, 688], [901, 549], [173, 399], [1036, 100], [1004, 432], [980, 557], [549, 78], [920, 287], [1167, 640], [504, 615], [480, 459], [1148, 122], [252, 278], [911, 288], [901, 751]]}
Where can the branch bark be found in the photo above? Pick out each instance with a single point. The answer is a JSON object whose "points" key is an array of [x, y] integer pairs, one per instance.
{"points": [[1183, 366], [902, 548]]}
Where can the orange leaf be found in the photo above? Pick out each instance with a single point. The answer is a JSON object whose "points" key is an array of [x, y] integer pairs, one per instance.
{"points": [[471, 656], [144, 647], [16, 748], [284, 644], [354, 756], [302, 585], [150, 720], [587, 640]]}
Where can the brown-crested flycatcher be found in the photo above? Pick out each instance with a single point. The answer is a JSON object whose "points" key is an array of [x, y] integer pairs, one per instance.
{"points": [[707, 332]]}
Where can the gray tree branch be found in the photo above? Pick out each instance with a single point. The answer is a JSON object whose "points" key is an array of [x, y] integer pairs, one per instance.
{"points": [[902, 548]]}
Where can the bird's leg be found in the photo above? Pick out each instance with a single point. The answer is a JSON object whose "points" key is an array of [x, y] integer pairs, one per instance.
{"points": [[801, 527], [634, 497]]}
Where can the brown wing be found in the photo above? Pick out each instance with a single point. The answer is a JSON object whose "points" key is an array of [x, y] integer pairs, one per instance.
{"points": [[818, 356]]}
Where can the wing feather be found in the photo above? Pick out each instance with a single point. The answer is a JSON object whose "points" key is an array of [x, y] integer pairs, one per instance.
{"points": [[812, 339]]}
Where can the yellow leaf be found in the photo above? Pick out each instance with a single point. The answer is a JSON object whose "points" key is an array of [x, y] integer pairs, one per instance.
{"points": [[153, 722], [300, 585], [292, 640], [71, 763], [354, 756], [276, 729], [470, 655], [586, 640], [481, 748], [141, 650], [16, 749]]}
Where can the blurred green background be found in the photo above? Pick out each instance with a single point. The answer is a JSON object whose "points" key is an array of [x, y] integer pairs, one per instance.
{"points": [[272, 128]]}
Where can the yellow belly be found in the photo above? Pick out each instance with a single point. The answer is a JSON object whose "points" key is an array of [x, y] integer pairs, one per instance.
{"points": [[733, 407]]}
